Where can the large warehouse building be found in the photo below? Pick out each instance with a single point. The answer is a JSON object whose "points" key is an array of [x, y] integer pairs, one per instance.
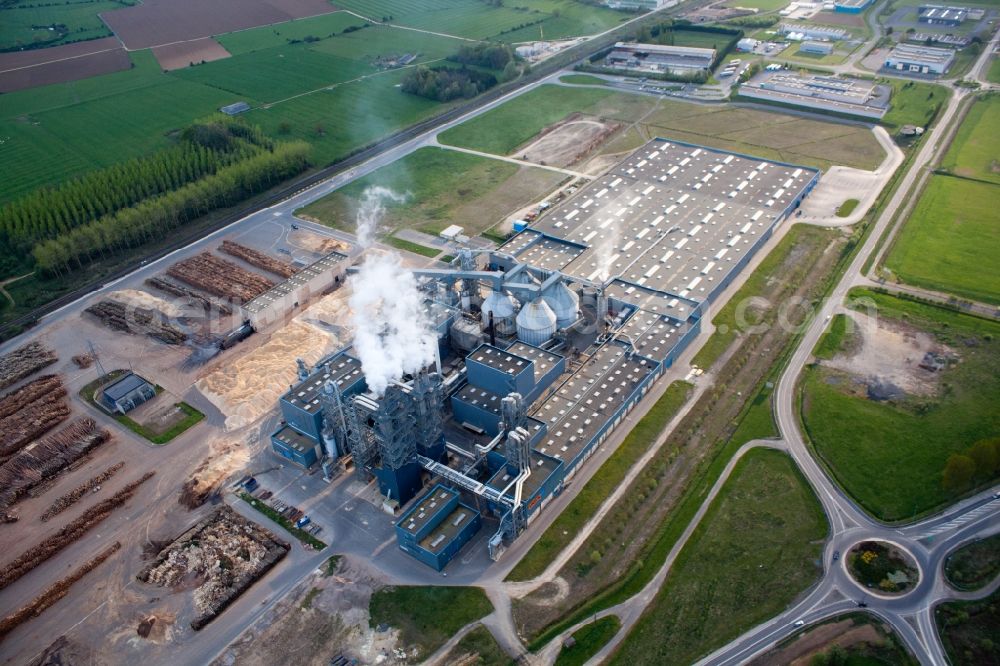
{"points": [[919, 59], [857, 97], [546, 345], [657, 58]]}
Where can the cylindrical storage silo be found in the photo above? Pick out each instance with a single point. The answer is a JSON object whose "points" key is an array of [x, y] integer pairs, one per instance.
{"points": [[536, 323], [504, 310], [565, 303]]}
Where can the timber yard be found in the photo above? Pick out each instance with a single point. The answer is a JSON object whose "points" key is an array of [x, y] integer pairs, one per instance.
{"points": [[611, 348]]}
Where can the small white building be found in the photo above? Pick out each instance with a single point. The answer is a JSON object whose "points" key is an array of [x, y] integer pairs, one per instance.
{"points": [[747, 45], [451, 233]]}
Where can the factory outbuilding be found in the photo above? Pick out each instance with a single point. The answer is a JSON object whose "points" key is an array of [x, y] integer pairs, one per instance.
{"points": [[919, 59], [658, 58], [816, 48], [436, 527], [126, 393], [283, 298]]}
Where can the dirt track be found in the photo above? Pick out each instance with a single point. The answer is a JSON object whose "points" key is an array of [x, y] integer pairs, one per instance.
{"points": [[185, 54]]}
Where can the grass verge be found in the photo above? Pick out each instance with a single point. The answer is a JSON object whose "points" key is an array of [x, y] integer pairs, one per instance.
{"points": [[974, 565], [847, 208], [301, 535], [588, 641], [970, 630], [583, 80], [837, 337], [602, 484], [756, 549], [427, 616], [416, 248], [478, 648]]}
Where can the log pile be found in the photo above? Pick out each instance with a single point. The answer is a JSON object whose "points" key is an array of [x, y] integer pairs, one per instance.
{"points": [[24, 361], [54, 592], [75, 495], [48, 458], [120, 317], [17, 400], [32, 419], [192, 296], [219, 277], [226, 551], [258, 259], [92, 517]]}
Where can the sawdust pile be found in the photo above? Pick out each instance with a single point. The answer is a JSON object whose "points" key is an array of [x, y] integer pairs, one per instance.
{"points": [[313, 242], [147, 301], [226, 455], [248, 388]]}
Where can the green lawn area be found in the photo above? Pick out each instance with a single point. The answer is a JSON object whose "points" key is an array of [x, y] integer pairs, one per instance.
{"points": [[993, 73], [845, 209], [974, 565], [767, 134], [970, 630], [975, 152], [583, 80], [521, 21], [426, 617], [795, 52], [589, 641], [735, 317], [755, 550], [603, 483], [913, 103], [763, 5], [478, 648], [890, 457], [24, 22], [951, 239], [416, 248], [442, 187], [836, 338]]}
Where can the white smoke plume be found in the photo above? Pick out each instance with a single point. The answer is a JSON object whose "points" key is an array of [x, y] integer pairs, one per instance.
{"points": [[606, 252], [371, 210], [392, 333]]}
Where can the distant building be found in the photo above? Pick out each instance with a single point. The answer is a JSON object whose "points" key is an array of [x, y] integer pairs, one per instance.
{"points": [[660, 58], [813, 32], [919, 59], [939, 15], [851, 6], [126, 393], [958, 41], [234, 109], [747, 45], [818, 48], [830, 93], [648, 5]]}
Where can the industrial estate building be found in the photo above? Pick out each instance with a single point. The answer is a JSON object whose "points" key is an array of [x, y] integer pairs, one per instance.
{"points": [[940, 15], [851, 6], [816, 48], [919, 59], [284, 297], [126, 393], [658, 58], [857, 97], [798, 32], [545, 345]]}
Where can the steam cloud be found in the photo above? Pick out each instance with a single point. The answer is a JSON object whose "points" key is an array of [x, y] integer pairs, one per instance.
{"points": [[392, 334], [606, 252]]}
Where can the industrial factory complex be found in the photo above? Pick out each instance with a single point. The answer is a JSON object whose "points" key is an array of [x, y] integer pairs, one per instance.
{"points": [[543, 346]]}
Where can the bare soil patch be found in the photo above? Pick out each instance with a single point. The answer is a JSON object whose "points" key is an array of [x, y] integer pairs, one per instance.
{"points": [[800, 653], [46, 68], [839, 18], [159, 22], [890, 352], [568, 141], [313, 242], [185, 54]]}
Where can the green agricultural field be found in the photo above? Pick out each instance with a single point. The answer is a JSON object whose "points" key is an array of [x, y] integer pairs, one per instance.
{"points": [[442, 187], [474, 19], [768, 134], [763, 5], [269, 36], [443, 611], [890, 457], [951, 240], [26, 23], [755, 550], [975, 152]]}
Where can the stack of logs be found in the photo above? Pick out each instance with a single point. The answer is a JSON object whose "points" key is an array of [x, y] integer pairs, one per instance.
{"points": [[30, 412], [258, 259], [220, 277], [24, 361], [120, 317], [192, 296], [75, 495]]}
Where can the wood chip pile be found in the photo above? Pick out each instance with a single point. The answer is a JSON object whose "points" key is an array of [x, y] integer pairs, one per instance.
{"points": [[193, 297], [30, 412], [226, 551], [47, 458], [55, 592], [220, 277], [120, 317], [258, 259], [24, 361], [75, 495], [90, 518]]}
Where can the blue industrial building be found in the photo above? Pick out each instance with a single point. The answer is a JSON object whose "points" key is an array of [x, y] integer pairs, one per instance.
{"points": [[851, 6], [126, 393], [292, 445], [436, 527]]}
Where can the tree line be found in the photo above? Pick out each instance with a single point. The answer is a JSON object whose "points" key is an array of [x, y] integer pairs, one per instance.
{"points": [[491, 56], [446, 83], [152, 218], [48, 213]]}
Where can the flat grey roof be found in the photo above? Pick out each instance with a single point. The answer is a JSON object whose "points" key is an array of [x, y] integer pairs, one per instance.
{"points": [[541, 469], [480, 397], [343, 369], [426, 509], [122, 386], [448, 529], [505, 361], [282, 289], [544, 360], [293, 439], [674, 217]]}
